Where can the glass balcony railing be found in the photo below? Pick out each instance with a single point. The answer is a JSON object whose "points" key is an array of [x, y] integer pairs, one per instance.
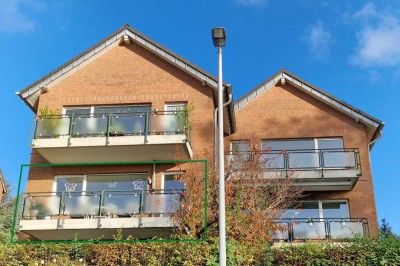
{"points": [[301, 160], [100, 204], [320, 229], [110, 125]]}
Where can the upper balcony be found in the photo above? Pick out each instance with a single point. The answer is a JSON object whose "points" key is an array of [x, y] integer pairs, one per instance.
{"points": [[113, 137], [313, 169]]}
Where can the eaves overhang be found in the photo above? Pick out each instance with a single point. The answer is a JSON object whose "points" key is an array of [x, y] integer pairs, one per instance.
{"points": [[30, 95], [374, 126]]}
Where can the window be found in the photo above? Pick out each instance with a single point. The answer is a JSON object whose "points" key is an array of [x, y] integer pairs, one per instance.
{"points": [[100, 182], [122, 120], [318, 209], [303, 144], [240, 146]]}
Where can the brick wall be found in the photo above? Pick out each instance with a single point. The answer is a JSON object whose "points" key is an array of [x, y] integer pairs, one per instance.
{"points": [[127, 74], [285, 112]]}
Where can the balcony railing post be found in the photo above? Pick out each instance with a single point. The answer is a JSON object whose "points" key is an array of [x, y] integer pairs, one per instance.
{"points": [[108, 128], [322, 162], [71, 128], [286, 163], [61, 209], [101, 209], [147, 126]]}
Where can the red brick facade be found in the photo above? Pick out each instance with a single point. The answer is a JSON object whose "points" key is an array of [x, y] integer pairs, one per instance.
{"points": [[130, 74], [284, 112]]}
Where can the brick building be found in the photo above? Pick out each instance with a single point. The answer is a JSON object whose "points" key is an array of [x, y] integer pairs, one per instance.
{"points": [[128, 99]]}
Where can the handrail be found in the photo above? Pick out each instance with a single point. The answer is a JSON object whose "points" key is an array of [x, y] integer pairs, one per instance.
{"points": [[107, 124], [304, 159], [292, 229]]}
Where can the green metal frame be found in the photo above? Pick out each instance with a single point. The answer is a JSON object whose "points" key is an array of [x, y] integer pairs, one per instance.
{"points": [[12, 241]]}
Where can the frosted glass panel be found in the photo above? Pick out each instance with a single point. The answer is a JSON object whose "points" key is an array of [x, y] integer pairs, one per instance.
{"points": [[162, 203], [52, 127], [132, 124], [172, 123], [121, 204], [39, 206], [309, 230], [345, 229], [89, 126], [339, 159], [77, 204], [303, 160]]}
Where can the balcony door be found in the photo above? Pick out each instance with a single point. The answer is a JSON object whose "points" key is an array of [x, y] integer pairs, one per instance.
{"points": [[304, 153], [121, 120], [102, 194]]}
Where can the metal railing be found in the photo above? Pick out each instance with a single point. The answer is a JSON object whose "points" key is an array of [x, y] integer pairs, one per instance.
{"points": [[100, 204], [293, 229], [111, 124], [302, 160]]}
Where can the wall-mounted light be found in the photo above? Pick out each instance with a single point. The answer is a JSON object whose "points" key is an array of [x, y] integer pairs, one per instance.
{"points": [[126, 39]]}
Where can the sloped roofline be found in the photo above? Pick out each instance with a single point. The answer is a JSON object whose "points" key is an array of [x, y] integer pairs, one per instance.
{"points": [[315, 92], [31, 93]]}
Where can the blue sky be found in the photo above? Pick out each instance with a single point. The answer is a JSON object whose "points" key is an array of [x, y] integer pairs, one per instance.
{"points": [[348, 48]]}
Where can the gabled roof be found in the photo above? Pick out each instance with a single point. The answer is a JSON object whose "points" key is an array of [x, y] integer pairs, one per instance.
{"points": [[2, 183], [30, 94], [374, 126]]}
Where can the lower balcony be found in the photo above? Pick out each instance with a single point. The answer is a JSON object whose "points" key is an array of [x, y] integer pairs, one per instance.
{"points": [[313, 170], [98, 214], [114, 137], [335, 229]]}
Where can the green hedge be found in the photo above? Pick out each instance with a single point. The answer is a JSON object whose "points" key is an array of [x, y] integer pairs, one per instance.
{"points": [[363, 251]]}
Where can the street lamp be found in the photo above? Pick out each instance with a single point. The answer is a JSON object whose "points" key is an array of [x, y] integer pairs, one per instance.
{"points": [[219, 40]]}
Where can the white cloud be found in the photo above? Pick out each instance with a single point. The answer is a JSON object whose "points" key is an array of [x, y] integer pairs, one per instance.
{"points": [[14, 17], [251, 2], [378, 41], [368, 11], [319, 40]]}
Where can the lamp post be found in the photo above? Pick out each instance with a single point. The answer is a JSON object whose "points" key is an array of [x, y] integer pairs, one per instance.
{"points": [[219, 40]]}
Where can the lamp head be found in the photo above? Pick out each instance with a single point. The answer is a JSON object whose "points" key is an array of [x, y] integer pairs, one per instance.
{"points": [[219, 37]]}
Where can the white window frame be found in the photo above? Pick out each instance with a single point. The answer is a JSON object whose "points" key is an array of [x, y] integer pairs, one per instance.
{"points": [[168, 173], [177, 104]]}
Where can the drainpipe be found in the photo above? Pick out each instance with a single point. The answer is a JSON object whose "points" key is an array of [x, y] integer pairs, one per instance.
{"points": [[215, 126], [370, 163]]}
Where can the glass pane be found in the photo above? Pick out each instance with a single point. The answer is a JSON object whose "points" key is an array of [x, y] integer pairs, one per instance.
{"points": [[303, 159], [78, 111], [127, 182], [170, 183], [273, 160], [346, 229], [166, 202], [52, 127], [122, 109], [130, 124], [40, 206], [240, 146], [89, 126], [79, 205], [279, 145], [121, 203], [169, 123], [69, 184], [309, 230], [339, 159], [330, 144], [307, 209], [176, 107], [335, 209]]}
